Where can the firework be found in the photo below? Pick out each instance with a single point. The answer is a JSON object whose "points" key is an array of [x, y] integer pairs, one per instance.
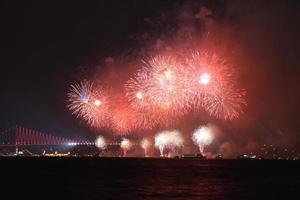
{"points": [[168, 140], [100, 142], [161, 140], [123, 118], [136, 90], [228, 105], [202, 136], [175, 140], [89, 103], [163, 90], [213, 86], [159, 89], [204, 79], [145, 144], [126, 146]]}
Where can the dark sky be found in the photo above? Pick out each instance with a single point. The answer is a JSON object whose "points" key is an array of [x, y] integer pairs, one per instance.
{"points": [[43, 45]]}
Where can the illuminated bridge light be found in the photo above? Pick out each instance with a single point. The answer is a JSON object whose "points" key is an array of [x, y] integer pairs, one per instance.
{"points": [[28, 137], [72, 143]]}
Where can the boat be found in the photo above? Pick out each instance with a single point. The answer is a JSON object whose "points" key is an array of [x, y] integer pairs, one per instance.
{"points": [[246, 157], [198, 156]]}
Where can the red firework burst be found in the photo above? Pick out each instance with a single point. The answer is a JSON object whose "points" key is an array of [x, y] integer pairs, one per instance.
{"points": [[90, 103], [213, 86], [159, 89], [123, 118]]}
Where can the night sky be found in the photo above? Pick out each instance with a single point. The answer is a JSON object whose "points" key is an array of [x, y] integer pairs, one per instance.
{"points": [[46, 43], [45, 46]]}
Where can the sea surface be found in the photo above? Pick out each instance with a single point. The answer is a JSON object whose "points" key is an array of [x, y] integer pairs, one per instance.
{"points": [[148, 178]]}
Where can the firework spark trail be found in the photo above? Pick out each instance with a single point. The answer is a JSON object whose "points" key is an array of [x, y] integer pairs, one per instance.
{"points": [[163, 90], [145, 144], [136, 90], [213, 86], [100, 142], [123, 119], [90, 103], [158, 89], [175, 140], [125, 145], [202, 136], [161, 140], [168, 140], [228, 105]]}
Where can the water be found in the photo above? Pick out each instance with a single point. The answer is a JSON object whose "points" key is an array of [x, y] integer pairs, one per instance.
{"points": [[137, 178]]}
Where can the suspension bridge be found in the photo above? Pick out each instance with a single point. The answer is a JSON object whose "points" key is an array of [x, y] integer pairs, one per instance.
{"points": [[19, 136]]}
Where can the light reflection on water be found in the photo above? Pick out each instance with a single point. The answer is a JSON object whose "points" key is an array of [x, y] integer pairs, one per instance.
{"points": [[123, 178]]}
